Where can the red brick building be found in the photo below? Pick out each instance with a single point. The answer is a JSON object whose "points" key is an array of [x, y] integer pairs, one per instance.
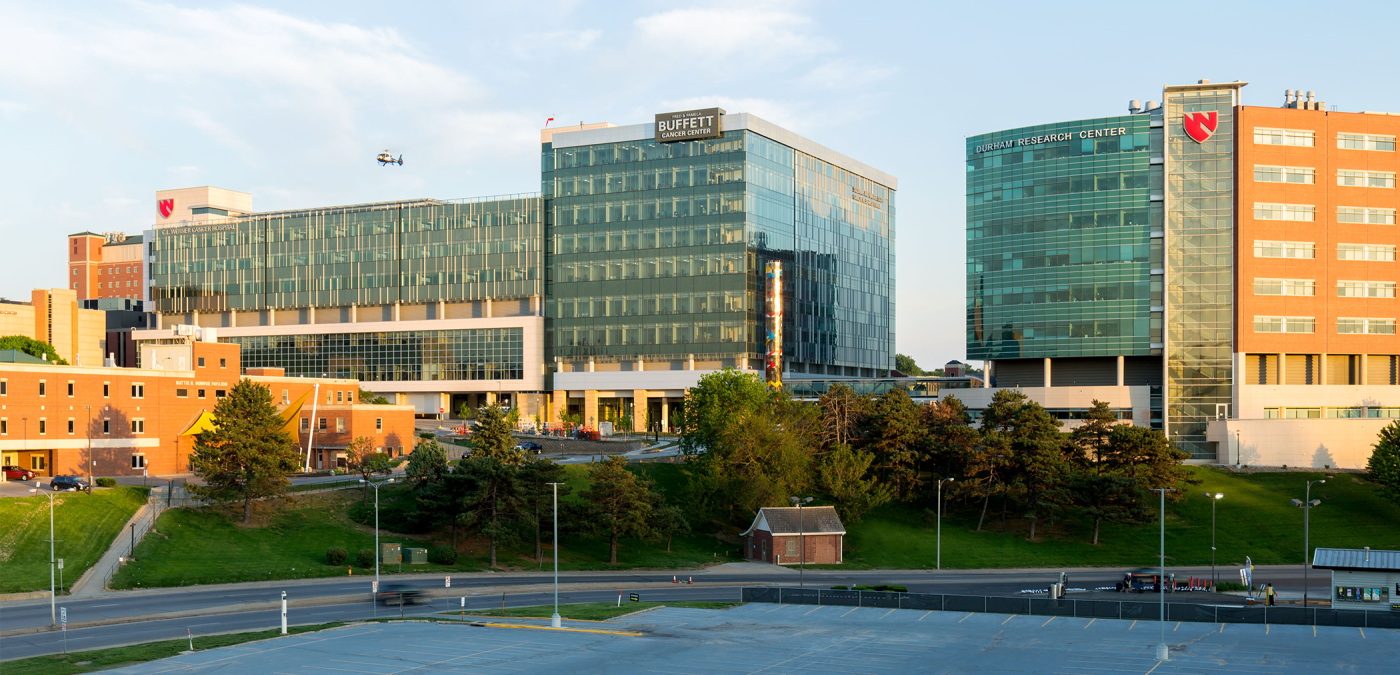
{"points": [[105, 265], [777, 536], [122, 421]]}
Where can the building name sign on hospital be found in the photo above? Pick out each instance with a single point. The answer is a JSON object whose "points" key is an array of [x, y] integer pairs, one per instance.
{"points": [[688, 125], [1051, 138]]}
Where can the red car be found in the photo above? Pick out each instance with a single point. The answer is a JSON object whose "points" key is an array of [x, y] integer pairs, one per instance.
{"points": [[16, 473]]}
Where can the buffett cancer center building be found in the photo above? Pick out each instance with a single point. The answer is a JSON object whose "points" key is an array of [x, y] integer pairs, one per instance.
{"points": [[641, 265]]}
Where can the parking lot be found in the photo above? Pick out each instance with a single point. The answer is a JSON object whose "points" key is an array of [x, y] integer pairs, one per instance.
{"points": [[808, 639]]}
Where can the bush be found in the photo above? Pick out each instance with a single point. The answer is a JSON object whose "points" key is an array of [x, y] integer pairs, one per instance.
{"points": [[838, 588], [362, 514], [336, 555], [1226, 586], [443, 555], [106, 482], [365, 558]]}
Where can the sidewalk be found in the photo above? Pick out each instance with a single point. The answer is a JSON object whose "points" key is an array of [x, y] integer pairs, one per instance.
{"points": [[94, 581]]}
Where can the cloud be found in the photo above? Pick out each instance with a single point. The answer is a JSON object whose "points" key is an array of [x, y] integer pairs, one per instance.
{"points": [[846, 75], [755, 30]]}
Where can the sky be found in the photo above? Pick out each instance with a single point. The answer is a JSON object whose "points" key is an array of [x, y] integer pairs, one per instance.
{"points": [[104, 103]]}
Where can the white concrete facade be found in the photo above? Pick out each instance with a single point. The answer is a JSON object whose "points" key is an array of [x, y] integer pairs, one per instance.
{"points": [[1314, 443], [1137, 398]]}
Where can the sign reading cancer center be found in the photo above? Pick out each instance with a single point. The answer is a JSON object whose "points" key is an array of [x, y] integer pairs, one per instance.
{"points": [[689, 125]]}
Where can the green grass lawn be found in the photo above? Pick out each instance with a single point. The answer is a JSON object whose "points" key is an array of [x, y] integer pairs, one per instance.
{"points": [[1253, 519], [84, 524], [593, 611]]}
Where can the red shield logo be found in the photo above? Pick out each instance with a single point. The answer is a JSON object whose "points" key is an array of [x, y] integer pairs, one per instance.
{"points": [[1200, 125], [167, 206]]}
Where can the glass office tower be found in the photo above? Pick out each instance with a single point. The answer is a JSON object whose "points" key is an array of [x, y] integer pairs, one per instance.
{"points": [[1064, 251]]}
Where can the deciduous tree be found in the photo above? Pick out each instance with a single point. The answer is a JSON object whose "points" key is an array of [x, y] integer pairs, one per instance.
{"points": [[362, 458], [714, 403], [842, 414], [1384, 465], [246, 455]]}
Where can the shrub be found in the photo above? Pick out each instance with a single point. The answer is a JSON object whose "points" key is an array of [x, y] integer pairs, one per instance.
{"points": [[106, 482], [365, 558], [1226, 586], [838, 588], [336, 555], [362, 513], [443, 555]]}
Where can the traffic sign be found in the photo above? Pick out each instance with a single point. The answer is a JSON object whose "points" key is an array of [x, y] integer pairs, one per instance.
{"points": [[447, 582], [63, 616], [374, 586], [60, 563], [634, 597]]}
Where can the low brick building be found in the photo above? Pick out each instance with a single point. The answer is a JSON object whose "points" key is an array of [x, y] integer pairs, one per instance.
{"points": [[108, 421], [777, 536]]}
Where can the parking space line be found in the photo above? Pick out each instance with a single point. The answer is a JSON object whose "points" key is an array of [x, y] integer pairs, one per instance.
{"points": [[852, 610], [886, 614], [1314, 631], [1134, 624], [1008, 619], [1178, 625], [1222, 628], [969, 616], [1363, 632], [1091, 622], [1266, 629], [813, 610], [1154, 667], [1047, 622], [925, 614]]}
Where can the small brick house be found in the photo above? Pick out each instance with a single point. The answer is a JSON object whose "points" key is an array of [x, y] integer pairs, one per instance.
{"points": [[777, 536]]}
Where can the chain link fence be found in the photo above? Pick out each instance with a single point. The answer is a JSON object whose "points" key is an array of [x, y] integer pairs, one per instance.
{"points": [[1101, 609]]}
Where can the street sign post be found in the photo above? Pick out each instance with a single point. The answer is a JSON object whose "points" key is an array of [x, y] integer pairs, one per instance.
{"points": [[64, 618]]}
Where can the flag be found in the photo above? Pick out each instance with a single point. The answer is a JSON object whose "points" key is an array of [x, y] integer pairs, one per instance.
{"points": [[546, 122]]}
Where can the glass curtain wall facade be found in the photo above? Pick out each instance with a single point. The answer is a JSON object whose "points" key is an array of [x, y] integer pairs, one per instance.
{"points": [[1200, 265], [1060, 246], [658, 250], [378, 254], [473, 354]]}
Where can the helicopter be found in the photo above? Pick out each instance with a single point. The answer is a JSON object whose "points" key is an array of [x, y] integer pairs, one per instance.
{"points": [[386, 158]]}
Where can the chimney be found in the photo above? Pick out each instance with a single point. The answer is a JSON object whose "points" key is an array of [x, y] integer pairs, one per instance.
{"points": [[1288, 98], [1368, 554], [1134, 106], [1151, 105], [1311, 105]]}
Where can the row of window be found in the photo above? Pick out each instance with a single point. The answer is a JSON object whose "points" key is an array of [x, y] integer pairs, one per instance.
{"points": [[137, 390], [1307, 213], [1307, 138], [1306, 250], [339, 424], [1301, 175], [1316, 413], [1307, 288], [1308, 324], [138, 426]]}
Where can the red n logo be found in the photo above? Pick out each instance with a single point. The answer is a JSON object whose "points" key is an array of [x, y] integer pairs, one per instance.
{"points": [[167, 206], [1200, 125]]}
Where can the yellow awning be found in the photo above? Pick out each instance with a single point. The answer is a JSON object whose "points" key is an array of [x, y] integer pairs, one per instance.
{"points": [[205, 422], [292, 413]]}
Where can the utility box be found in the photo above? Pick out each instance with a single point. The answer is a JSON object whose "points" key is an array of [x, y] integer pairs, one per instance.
{"points": [[418, 556], [390, 554]]}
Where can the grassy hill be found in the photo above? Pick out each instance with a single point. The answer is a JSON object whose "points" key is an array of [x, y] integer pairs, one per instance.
{"points": [[85, 526], [1254, 519]]}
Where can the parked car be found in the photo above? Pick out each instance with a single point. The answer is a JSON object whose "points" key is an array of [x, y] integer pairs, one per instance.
{"points": [[66, 483], [16, 473], [400, 594], [530, 446], [1145, 579]]}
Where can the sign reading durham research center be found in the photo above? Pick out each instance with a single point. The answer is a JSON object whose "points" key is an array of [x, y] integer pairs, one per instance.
{"points": [[690, 125]]}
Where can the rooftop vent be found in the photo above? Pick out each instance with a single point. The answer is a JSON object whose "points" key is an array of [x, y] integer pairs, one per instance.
{"points": [[1134, 106]]}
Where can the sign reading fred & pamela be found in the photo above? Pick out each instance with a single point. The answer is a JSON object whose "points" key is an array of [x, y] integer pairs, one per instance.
{"points": [[688, 125]]}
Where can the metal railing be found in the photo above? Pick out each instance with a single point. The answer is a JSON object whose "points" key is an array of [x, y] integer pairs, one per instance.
{"points": [[1100, 609]]}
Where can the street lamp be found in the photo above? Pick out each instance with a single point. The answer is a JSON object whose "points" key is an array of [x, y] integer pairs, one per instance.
{"points": [[53, 612], [1307, 505], [554, 620], [1213, 498], [801, 537], [88, 408], [940, 521], [377, 555], [1162, 580]]}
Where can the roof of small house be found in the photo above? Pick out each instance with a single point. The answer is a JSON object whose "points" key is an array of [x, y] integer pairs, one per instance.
{"points": [[1355, 559], [783, 520]]}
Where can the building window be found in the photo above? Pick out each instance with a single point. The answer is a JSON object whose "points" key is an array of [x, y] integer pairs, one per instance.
{"points": [[223, 363], [1299, 137], [1371, 252], [1302, 287], [219, 393], [1357, 214], [138, 461], [1353, 326], [4, 387], [340, 425], [36, 463], [339, 397], [200, 392], [1284, 249], [1365, 289], [4, 426], [286, 397], [1299, 212], [43, 426], [1345, 412], [349, 397], [182, 393], [1299, 175], [106, 390], [138, 426], [70, 389], [72, 426], [321, 424], [43, 388], [1284, 324], [106, 426], [305, 424], [138, 391], [1366, 142], [379, 424], [1302, 413], [201, 362], [1383, 413], [1375, 179]]}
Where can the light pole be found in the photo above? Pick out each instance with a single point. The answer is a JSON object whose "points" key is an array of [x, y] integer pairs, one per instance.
{"points": [[554, 620], [377, 555], [1238, 449], [1162, 579], [940, 520], [801, 538], [88, 408], [1213, 498], [1307, 505], [53, 611]]}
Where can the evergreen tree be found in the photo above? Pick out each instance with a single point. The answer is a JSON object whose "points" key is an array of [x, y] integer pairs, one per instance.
{"points": [[1038, 452], [495, 507], [952, 442], [896, 436], [1384, 465], [1149, 457], [493, 438], [427, 464], [1091, 437], [621, 503], [535, 478], [844, 474], [667, 521], [989, 467], [445, 499], [1108, 496], [245, 456]]}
